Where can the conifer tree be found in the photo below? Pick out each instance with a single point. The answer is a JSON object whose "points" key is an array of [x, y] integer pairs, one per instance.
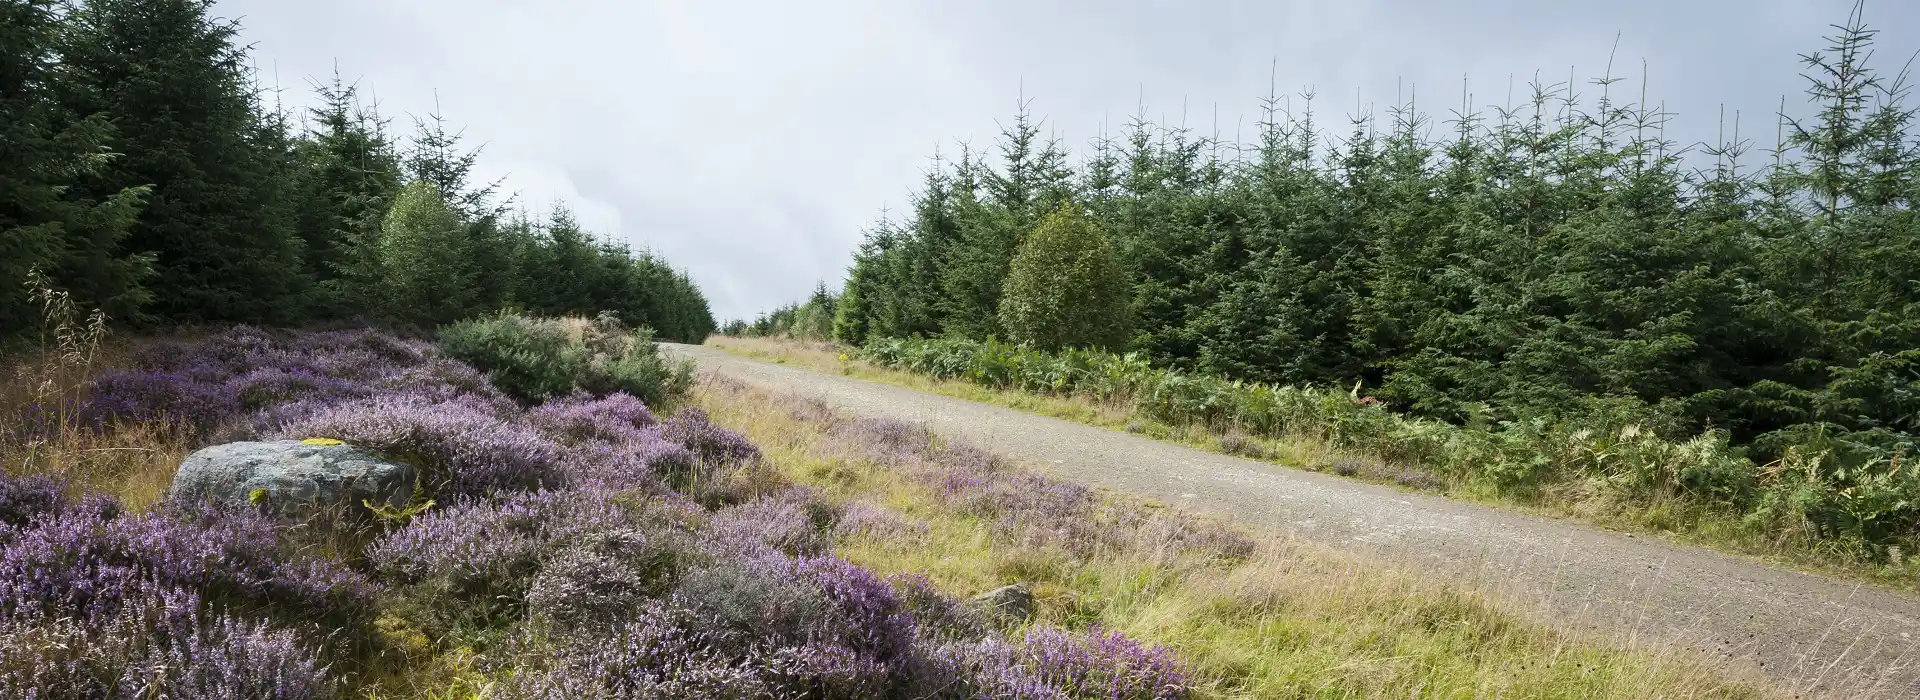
{"points": [[436, 156], [349, 174], [188, 123], [45, 225]]}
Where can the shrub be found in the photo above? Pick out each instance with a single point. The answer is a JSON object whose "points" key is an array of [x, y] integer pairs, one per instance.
{"points": [[793, 522], [529, 359], [161, 644], [460, 447], [475, 561], [709, 442], [660, 653], [1065, 287], [607, 576], [533, 359], [84, 559]]}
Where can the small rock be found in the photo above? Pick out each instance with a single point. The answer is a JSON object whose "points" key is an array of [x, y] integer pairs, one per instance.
{"points": [[291, 477], [1012, 604]]}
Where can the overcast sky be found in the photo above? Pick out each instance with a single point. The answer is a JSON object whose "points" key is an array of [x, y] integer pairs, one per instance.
{"points": [[750, 142]]}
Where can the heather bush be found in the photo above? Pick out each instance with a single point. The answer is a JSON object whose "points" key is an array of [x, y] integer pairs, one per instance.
{"points": [[460, 447], [607, 575], [1054, 664], [580, 417], [860, 518], [661, 652], [794, 522], [1103, 665], [162, 643], [610, 442], [757, 598], [86, 559], [23, 498], [711, 443], [473, 563], [935, 614]]}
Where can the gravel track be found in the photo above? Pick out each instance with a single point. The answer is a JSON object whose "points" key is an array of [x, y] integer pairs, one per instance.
{"points": [[1814, 634]]}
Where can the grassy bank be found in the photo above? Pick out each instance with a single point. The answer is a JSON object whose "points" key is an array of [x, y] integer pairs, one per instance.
{"points": [[1665, 513], [1273, 620]]}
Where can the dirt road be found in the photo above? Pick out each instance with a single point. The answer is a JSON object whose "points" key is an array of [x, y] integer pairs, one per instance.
{"points": [[1813, 633]]}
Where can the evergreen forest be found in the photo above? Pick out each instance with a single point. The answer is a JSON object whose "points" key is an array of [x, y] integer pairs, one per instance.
{"points": [[1557, 257], [145, 171]]}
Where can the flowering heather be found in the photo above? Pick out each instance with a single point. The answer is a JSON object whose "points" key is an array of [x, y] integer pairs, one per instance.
{"points": [[794, 522], [85, 561], [480, 543], [860, 518], [979, 669], [205, 383], [154, 395], [480, 558], [1031, 508], [757, 599], [23, 498], [875, 622], [161, 644], [659, 653], [935, 614], [1103, 665], [579, 417], [611, 442], [461, 448], [709, 442], [1052, 664], [607, 577]]}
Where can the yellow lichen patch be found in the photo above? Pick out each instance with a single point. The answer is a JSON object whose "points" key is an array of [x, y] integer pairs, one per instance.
{"points": [[322, 442]]}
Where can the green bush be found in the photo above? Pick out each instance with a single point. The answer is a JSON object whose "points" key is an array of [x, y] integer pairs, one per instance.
{"points": [[533, 359], [1065, 287], [530, 359]]}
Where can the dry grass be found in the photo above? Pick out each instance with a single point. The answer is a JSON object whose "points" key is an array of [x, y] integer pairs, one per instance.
{"points": [[1293, 620], [133, 461]]}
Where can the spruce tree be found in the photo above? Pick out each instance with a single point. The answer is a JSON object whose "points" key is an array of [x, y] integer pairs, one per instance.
{"points": [[45, 224], [187, 120], [349, 174], [436, 156]]}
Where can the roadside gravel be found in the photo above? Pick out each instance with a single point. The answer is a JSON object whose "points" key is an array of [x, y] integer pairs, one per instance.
{"points": [[1812, 633]]}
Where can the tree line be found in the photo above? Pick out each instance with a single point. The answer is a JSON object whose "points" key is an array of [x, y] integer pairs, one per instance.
{"points": [[145, 171], [1557, 257]]}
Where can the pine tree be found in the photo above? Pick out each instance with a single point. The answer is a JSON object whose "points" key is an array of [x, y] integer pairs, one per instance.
{"points": [[349, 175], [44, 224], [170, 78]]}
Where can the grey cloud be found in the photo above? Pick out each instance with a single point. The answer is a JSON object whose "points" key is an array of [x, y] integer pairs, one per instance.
{"points": [[751, 141]]}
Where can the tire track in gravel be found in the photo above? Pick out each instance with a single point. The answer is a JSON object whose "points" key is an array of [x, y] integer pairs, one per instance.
{"points": [[1813, 633]]}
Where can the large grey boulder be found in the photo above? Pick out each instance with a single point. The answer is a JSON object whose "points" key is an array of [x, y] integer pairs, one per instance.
{"points": [[292, 478], [1007, 604]]}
